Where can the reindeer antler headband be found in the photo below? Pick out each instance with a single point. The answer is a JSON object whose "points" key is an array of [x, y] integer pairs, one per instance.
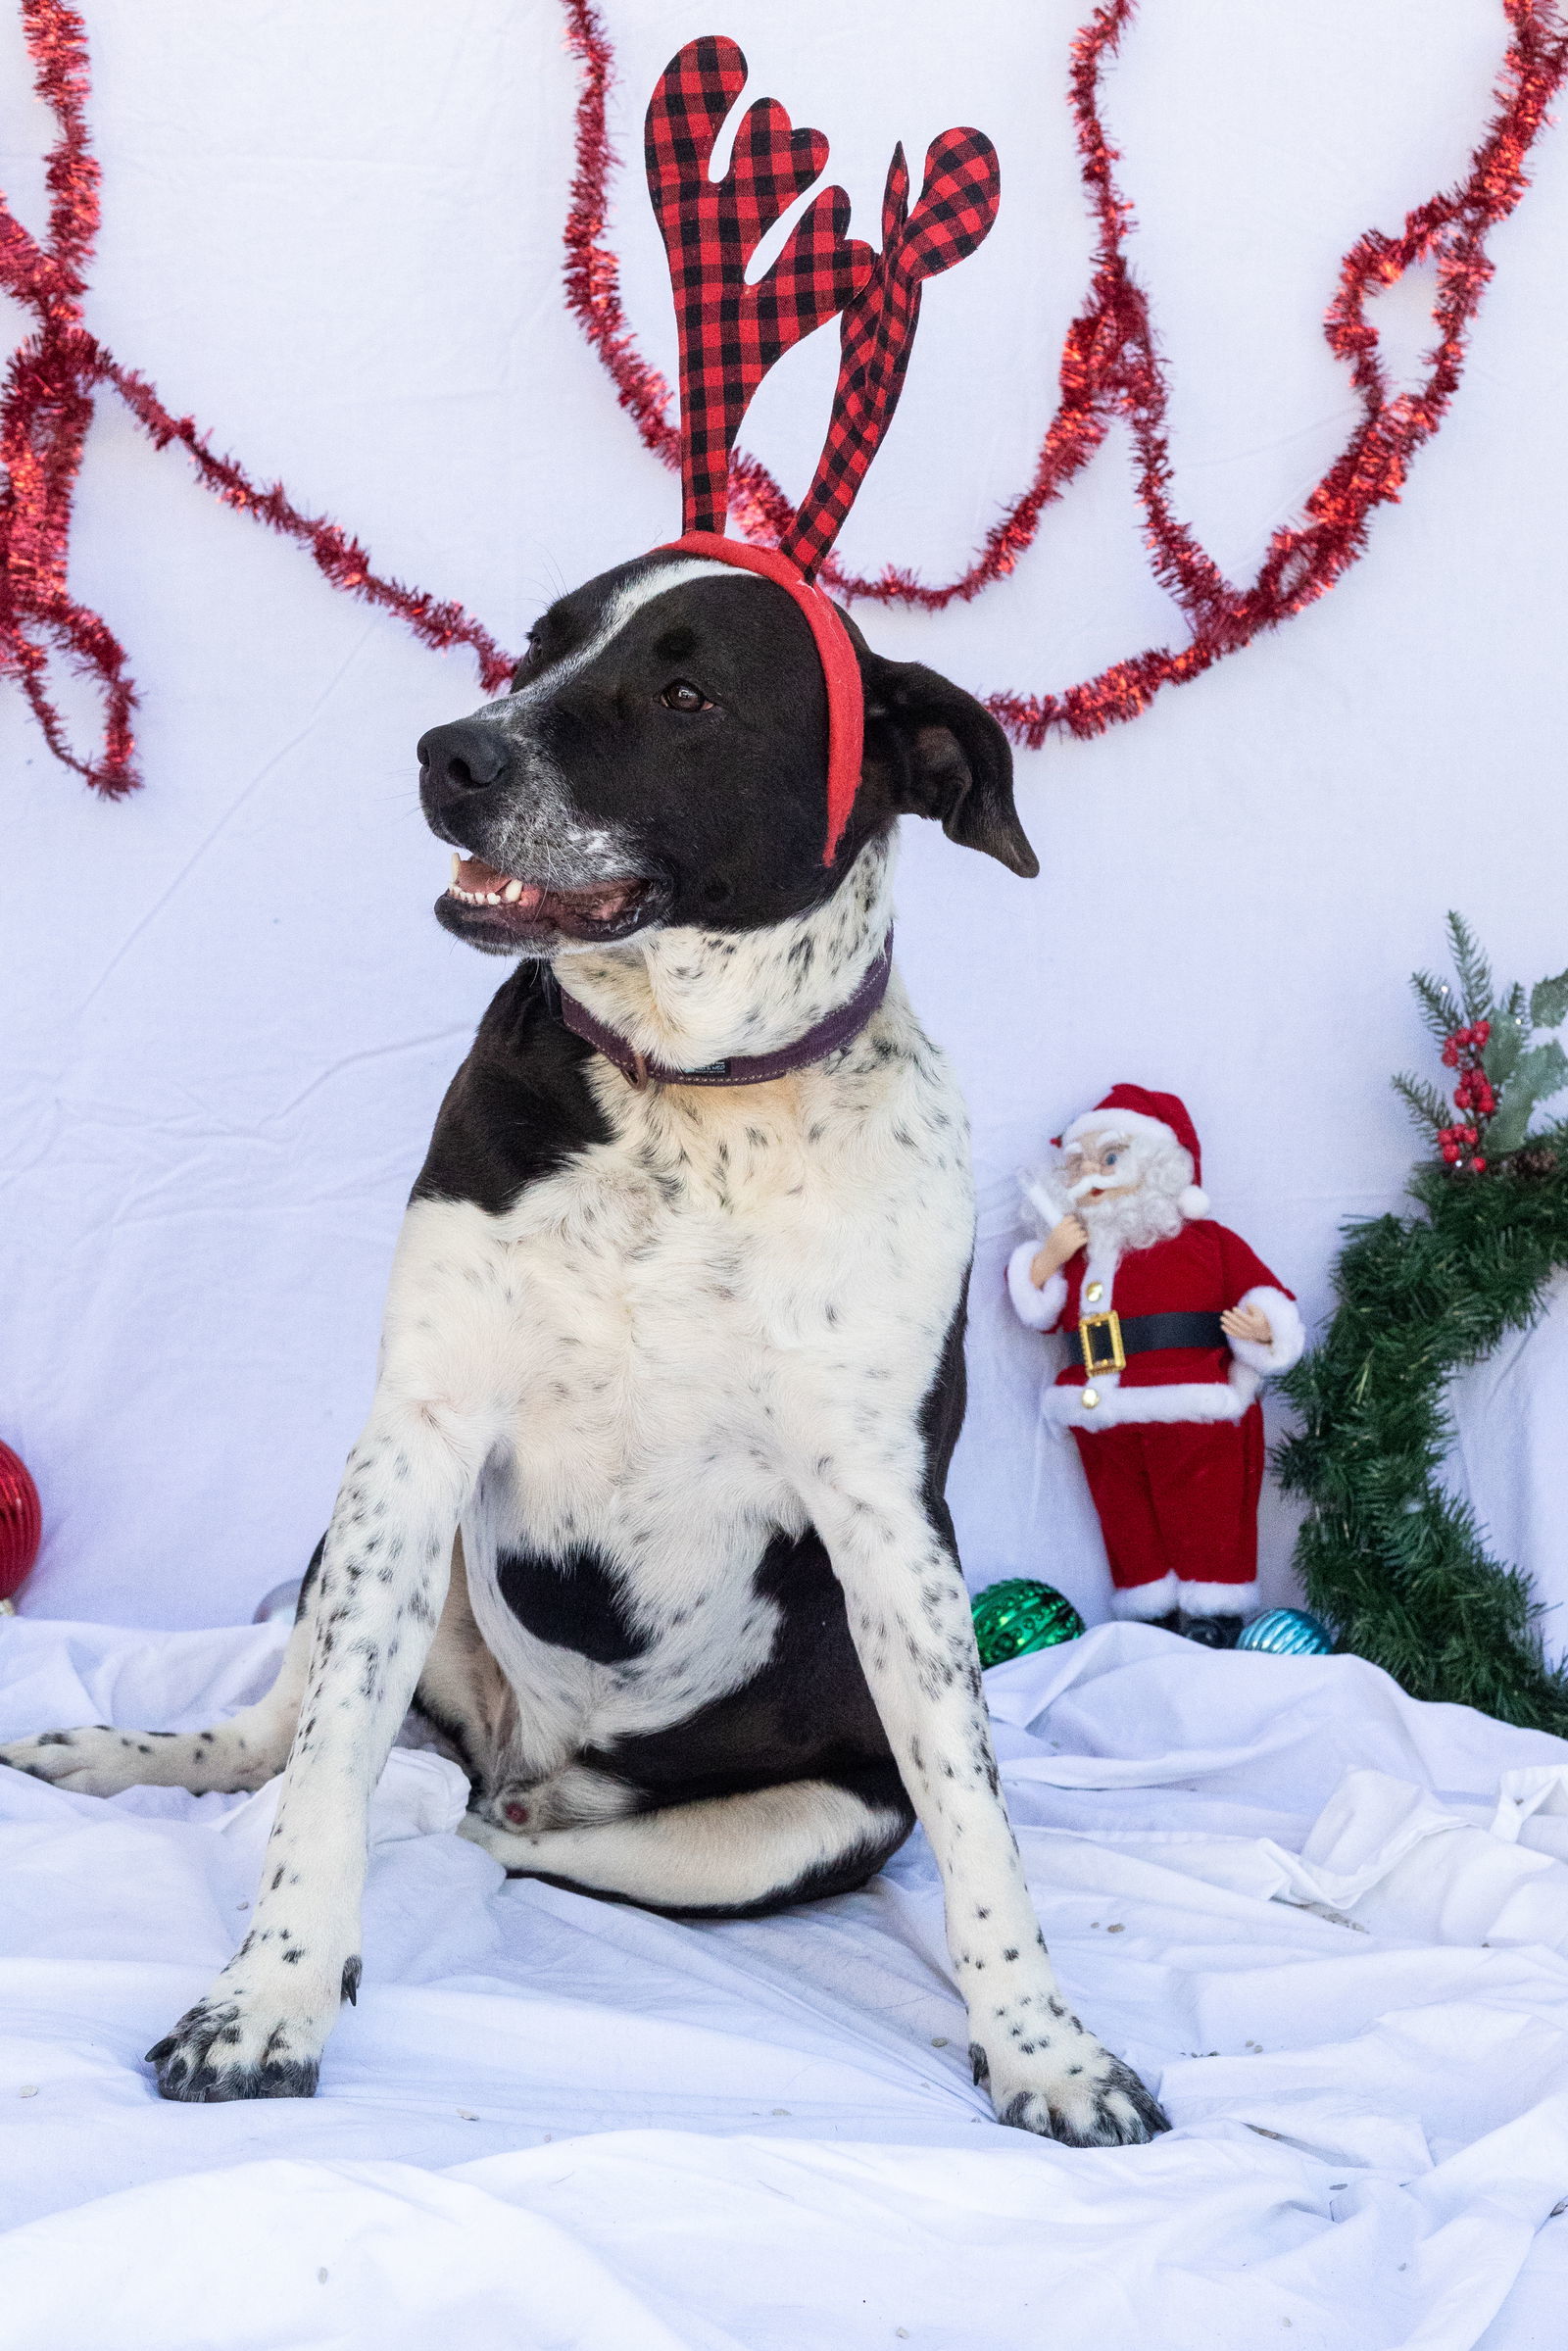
{"points": [[731, 332]]}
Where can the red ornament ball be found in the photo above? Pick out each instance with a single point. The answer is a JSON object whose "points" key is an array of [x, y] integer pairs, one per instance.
{"points": [[20, 1523]]}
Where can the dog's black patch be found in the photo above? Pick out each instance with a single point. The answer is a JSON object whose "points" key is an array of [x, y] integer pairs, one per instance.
{"points": [[308, 1581], [942, 1411], [575, 1601], [518, 1108], [807, 1714]]}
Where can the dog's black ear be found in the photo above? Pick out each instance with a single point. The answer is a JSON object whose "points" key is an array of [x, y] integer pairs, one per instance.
{"points": [[943, 754]]}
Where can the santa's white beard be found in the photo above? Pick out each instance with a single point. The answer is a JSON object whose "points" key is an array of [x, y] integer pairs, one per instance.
{"points": [[1127, 1220]]}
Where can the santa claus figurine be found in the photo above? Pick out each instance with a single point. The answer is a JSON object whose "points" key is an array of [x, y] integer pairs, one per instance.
{"points": [[1171, 1322]]}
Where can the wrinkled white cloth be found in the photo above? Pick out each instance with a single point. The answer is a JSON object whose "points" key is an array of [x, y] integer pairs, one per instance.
{"points": [[1329, 1923]]}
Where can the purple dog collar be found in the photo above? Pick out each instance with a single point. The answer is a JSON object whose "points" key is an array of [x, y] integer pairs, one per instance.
{"points": [[741, 1070]]}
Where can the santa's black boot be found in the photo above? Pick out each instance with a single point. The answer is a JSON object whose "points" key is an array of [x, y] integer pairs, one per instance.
{"points": [[1212, 1631]]}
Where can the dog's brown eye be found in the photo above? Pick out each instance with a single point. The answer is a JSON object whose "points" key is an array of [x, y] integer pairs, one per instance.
{"points": [[684, 696]]}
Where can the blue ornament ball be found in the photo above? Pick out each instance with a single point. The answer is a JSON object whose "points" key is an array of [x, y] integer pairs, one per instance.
{"points": [[1287, 1633]]}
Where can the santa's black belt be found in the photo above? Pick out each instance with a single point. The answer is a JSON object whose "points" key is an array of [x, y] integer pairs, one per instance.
{"points": [[1105, 1341]]}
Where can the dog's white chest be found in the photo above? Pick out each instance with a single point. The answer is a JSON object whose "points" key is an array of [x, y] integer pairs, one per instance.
{"points": [[651, 1312], [668, 1331]]}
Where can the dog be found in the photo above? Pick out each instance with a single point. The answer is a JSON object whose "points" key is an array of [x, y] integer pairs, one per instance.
{"points": [[647, 1518]]}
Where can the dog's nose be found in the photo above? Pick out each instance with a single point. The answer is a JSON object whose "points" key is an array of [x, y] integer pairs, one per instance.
{"points": [[463, 757]]}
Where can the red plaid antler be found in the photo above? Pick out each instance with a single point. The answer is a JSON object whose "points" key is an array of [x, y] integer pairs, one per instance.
{"points": [[957, 204], [731, 332]]}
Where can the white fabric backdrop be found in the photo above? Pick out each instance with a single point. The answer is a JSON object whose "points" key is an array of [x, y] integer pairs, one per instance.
{"points": [[333, 235]]}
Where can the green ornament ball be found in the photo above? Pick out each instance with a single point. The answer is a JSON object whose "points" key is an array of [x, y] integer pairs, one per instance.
{"points": [[1014, 1618]]}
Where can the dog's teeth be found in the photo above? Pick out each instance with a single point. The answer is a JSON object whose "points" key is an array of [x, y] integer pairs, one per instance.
{"points": [[456, 865], [492, 898], [512, 893]]}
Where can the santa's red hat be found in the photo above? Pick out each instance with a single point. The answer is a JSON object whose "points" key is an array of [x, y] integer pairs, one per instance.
{"points": [[1138, 1110]]}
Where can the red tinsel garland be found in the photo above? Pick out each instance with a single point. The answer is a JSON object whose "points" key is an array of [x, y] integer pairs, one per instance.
{"points": [[1110, 370], [44, 413]]}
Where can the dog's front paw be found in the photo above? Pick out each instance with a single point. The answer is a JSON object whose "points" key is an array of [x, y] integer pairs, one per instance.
{"points": [[246, 2041], [1077, 2094], [91, 1762]]}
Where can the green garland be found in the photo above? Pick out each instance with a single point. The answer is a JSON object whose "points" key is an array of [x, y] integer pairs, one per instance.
{"points": [[1393, 1563]]}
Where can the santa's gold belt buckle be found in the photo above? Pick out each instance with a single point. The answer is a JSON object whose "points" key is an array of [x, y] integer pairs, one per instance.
{"points": [[1100, 1343]]}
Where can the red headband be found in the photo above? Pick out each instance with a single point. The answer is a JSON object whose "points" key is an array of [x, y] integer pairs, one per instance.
{"points": [[731, 332]]}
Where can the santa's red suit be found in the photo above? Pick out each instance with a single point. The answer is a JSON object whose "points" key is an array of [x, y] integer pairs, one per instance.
{"points": [[1172, 1444]]}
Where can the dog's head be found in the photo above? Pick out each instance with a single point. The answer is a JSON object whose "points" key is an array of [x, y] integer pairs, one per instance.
{"points": [[661, 758]]}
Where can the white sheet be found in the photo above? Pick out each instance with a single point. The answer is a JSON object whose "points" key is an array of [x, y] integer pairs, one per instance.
{"points": [[551, 2122]]}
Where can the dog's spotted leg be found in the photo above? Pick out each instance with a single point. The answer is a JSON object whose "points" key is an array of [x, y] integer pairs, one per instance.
{"points": [[260, 2030], [910, 1616], [230, 1759]]}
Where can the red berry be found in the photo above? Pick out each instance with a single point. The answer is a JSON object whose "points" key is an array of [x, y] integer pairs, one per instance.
{"points": [[1483, 1031], [1452, 1153], [1479, 1165]]}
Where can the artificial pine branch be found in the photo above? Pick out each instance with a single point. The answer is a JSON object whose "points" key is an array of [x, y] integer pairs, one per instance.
{"points": [[1474, 973], [1437, 1008], [1424, 1103]]}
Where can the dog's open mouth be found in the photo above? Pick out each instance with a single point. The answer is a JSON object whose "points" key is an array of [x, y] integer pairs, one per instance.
{"points": [[506, 910]]}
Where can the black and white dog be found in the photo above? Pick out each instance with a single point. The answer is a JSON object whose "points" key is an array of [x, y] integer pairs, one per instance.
{"points": [[648, 1515]]}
